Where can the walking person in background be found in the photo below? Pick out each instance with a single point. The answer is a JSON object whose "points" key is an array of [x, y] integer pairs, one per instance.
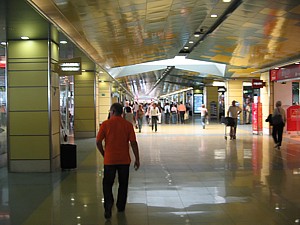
{"points": [[167, 112], [174, 113], [128, 114], [278, 120], [154, 112], [139, 116], [233, 111], [116, 133], [181, 110], [204, 115], [248, 111]]}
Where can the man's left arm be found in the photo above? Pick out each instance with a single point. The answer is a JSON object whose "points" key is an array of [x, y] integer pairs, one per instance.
{"points": [[99, 140]]}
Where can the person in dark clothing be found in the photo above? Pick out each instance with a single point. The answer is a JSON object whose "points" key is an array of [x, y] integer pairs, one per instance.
{"points": [[277, 130]]}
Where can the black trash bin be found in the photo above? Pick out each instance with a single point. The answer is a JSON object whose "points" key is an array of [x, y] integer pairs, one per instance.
{"points": [[68, 157]]}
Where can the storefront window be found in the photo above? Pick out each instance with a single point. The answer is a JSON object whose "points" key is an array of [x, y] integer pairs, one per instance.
{"points": [[295, 93], [3, 101]]}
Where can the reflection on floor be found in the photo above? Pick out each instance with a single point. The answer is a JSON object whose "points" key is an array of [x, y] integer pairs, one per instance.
{"points": [[188, 176]]}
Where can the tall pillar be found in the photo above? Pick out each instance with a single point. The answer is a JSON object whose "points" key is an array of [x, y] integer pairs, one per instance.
{"points": [[211, 101], [266, 98], [84, 100], [234, 92], [104, 99], [32, 91]]}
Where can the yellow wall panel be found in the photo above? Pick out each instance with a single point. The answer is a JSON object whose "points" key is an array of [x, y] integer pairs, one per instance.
{"points": [[54, 51], [104, 87], [29, 147], [85, 125], [55, 145], [84, 91], [28, 78], [85, 76], [30, 49], [104, 101], [84, 113], [28, 98], [32, 65], [84, 101], [29, 123], [55, 122]]}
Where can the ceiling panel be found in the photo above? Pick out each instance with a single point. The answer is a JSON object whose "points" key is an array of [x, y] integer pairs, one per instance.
{"points": [[247, 35]]}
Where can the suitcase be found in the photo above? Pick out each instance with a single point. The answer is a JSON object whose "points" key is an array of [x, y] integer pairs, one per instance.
{"points": [[68, 157]]}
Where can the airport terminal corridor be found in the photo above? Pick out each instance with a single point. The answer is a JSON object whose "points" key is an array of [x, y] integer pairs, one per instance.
{"points": [[188, 176]]}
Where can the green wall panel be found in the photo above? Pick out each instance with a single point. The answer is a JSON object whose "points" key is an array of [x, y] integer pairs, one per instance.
{"points": [[28, 99], [29, 147], [28, 78], [29, 123]]}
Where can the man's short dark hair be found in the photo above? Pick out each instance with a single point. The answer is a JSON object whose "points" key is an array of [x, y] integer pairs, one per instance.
{"points": [[117, 108]]}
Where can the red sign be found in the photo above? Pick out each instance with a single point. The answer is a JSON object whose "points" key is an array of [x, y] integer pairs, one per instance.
{"points": [[273, 75], [293, 118], [257, 117], [284, 73]]}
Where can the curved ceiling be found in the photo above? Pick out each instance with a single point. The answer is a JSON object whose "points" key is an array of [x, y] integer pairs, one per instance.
{"points": [[246, 36]]}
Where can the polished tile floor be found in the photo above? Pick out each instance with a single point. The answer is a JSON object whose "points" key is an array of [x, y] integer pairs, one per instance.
{"points": [[188, 176]]}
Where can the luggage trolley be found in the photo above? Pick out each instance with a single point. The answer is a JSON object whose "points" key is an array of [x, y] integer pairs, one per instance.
{"points": [[229, 122]]}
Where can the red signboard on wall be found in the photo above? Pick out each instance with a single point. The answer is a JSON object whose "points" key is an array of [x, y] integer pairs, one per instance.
{"points": [[257, 117], [284, 73], [293, 118]]}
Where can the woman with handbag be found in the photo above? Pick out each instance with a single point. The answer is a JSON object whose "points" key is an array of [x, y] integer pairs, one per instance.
{"points": [[278, 120]]}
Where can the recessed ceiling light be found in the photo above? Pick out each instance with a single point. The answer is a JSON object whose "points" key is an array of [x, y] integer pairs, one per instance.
{"points": [[226, 0], [191, 42], [186, 47], [24, 38], [3, 43], [213, 15], [63, 42]]}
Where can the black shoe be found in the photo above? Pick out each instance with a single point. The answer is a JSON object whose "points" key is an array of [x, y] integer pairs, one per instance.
{"points": [[107, 214]]}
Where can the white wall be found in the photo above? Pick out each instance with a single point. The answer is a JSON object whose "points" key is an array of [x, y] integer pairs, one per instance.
{"points": [[283, 93]]}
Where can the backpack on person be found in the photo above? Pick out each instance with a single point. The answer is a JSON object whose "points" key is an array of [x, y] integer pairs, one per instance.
{"points": [[277, 118]]}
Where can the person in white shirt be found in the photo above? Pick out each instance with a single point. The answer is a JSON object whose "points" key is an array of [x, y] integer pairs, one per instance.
{"points": [[234, 111], [154, 112], [204, 114], [167, 112]]}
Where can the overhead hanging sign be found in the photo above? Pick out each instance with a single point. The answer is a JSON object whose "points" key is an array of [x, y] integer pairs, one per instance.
{"points": [[256, 84], [222, 89], [69, 67]]}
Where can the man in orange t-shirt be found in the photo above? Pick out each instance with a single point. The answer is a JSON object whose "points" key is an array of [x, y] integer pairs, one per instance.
{"points": [[117, 133], [181, 110]]}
